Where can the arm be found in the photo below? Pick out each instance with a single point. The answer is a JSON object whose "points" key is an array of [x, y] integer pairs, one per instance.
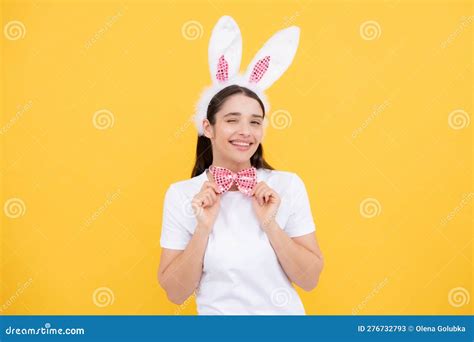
{"points": [[180, 270], [300, 257]]}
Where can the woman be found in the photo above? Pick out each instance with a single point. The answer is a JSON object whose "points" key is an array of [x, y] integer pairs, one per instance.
{"points": [[250, 232]]}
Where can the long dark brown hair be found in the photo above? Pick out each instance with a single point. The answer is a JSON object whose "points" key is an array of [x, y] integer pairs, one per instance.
{"points": [[204, 147]]}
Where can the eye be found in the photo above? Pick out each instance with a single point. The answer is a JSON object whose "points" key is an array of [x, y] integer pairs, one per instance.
{"points": [[232, 120], [256, 122]]}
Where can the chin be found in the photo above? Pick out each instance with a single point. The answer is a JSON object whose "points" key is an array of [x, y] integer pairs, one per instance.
{"points": [[242, 158]]}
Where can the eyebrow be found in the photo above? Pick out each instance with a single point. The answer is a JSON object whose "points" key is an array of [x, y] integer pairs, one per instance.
{"points": [[238, 113]]}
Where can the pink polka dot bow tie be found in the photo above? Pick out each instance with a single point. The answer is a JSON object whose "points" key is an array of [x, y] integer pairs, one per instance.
{"points": [[245, 179]]}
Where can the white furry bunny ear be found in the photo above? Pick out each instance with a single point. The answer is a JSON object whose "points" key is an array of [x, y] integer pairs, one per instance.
{"points": [[272, 60], [225, 54], [225, 50]]}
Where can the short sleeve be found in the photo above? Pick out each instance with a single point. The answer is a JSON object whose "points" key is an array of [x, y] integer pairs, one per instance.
{"points": [[300, 221], [174, 232]]}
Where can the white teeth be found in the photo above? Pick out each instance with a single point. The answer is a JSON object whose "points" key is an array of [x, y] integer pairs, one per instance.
{"points": [[240, 143]]}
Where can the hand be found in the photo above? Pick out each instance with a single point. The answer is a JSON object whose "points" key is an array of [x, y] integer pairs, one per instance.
{"points": [[266, 202], [206, 204]]}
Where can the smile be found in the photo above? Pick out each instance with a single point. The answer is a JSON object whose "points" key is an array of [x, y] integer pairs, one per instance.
{"points": [[241, 145]]}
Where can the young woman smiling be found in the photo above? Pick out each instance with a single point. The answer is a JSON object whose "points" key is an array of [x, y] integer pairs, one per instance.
{"points": [[239, 253], [250, 233]]}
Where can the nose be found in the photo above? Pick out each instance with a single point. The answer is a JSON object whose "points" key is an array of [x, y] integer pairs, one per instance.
{"points": [[244, 129]]}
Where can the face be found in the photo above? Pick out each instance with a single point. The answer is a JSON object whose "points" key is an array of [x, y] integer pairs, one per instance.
{"points": [[237, 132]]}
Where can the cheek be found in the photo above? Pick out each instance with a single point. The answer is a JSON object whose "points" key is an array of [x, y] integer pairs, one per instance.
{"points": [[223, 135], [258, 133], [226, 132]]}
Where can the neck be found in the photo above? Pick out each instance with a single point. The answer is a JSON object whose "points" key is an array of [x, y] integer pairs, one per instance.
{"points": [[231, 165]]}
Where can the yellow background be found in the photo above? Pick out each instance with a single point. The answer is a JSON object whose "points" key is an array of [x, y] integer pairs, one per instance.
{"points": [[370, 119]]}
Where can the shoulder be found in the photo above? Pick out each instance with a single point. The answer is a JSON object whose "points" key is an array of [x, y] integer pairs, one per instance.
{"points": [[278, 174], [280, 179], [186, 188]]}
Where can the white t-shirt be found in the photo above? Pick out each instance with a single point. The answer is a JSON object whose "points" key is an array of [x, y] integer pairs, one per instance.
{"points": [[241, 273]]}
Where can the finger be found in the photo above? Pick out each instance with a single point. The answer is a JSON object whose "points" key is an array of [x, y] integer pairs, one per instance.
{"points": [[256, 187], [255, 200], [197, 204], [266, 196], [213, 195], [260, 193], [208, 198], [215, 187], [258, 197], [204, 201], [269, 195], [211, 185], [197, 201]]}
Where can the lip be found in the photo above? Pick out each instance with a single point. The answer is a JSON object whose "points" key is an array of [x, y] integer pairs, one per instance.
{"points": [[241, 147]]}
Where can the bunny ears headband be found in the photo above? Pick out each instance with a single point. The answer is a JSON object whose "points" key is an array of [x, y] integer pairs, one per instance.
{"points": [[225, 53]]}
